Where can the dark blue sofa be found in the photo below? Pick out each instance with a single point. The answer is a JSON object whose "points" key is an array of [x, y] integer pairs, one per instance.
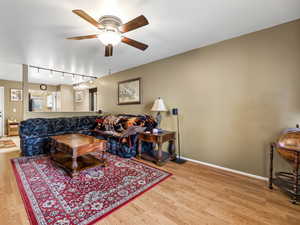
{"points": [[35, 135]]}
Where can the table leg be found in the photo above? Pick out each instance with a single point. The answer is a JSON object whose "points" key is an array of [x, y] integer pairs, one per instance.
{"points": [[271, 166], [52, 147], [104, 154], [139, 156], [159, 154], [296, 177], [74, 164], [172, 150], [153, 147], [104, 158]]}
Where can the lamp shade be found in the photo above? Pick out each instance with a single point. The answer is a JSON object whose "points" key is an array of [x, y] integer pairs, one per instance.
{"points": [[159, 106]]}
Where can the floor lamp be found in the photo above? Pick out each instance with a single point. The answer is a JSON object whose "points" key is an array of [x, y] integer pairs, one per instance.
{"points": [[178, 159]]}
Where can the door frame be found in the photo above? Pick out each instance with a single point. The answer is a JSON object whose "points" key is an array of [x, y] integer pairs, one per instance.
{"points": [[2, 93]]}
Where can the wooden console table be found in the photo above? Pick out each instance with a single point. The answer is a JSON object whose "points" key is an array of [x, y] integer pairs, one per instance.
{"points": [[74, 152], [159, 157]]}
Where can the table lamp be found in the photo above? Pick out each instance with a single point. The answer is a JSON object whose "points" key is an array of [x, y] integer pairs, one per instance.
{"points": [[158, 106]]}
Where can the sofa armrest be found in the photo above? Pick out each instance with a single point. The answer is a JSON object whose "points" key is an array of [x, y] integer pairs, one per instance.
{"points": [[134, 130], [107, 134]]}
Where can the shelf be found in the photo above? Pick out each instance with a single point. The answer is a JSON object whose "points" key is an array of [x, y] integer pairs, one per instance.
{"points": [[285, 182], [154, 156], [84, 162]]}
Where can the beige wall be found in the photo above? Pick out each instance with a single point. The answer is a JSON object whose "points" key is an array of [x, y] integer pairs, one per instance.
{"points": [[50, 88], [234, 97], [66, 98], [9, 105], [83, 106]]}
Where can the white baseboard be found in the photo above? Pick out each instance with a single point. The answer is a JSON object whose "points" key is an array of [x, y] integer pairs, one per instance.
{"points": [[226, 169]]}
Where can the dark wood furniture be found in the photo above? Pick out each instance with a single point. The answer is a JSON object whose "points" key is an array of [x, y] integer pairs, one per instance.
{"points": [[12, 128], [76, 152], [159, 156], [288, 146]]}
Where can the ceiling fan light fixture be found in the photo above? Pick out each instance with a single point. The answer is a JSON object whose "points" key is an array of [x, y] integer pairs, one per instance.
{"points": [[110, 37], [112, 29]]}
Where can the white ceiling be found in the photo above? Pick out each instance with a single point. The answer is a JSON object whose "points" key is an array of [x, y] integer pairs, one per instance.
{"points": [[34, 31], [10, 71]]}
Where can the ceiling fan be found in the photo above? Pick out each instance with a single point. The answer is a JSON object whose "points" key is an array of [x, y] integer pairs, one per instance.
{"points": [[112, 28]]}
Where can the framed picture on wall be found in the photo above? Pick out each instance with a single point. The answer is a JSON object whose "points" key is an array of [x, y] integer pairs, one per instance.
{"points": [[16, 95], [129, 92]]}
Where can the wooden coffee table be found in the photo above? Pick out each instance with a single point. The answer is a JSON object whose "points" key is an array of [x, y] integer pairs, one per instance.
{"points": [[76, 152]]}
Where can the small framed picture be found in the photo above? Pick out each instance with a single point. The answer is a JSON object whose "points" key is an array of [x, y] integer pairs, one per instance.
{"points": [[78, 96], [16, 95], [129, 92]]}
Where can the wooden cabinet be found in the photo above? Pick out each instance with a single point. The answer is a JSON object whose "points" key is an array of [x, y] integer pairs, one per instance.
{"points": [[12, 128]]}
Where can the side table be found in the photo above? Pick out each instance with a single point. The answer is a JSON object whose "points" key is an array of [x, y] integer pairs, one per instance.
{"points": [[159, 157], [12, 128]]}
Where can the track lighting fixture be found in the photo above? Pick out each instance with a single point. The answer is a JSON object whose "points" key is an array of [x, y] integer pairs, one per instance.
{"points": [[79, 77]]}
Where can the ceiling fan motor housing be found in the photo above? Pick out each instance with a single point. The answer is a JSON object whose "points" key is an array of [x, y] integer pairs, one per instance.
{"points": [[110, 22]]}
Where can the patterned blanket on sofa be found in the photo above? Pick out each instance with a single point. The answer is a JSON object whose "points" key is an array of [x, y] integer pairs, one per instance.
{"points": [[122, 130]]}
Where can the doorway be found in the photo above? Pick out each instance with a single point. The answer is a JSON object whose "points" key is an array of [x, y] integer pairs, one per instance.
{"points": [[93, 99], [1, 111]]}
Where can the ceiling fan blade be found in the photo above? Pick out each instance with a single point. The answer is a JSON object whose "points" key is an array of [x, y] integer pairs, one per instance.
{"points": [[108, 50], [134, 24], [134, 43], [87, 17], [83, 37]]}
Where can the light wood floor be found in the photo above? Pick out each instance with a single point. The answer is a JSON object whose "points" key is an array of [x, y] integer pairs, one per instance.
{"points": [[195, 195]]}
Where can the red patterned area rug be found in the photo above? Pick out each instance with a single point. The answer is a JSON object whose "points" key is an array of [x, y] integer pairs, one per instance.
{"points": [[51, 197]]}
